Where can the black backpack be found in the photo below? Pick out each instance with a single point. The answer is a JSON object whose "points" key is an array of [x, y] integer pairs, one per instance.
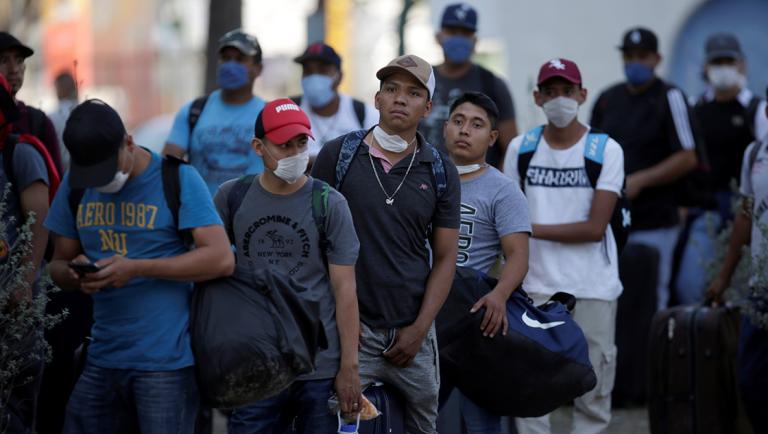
{"points": [[171, 190], [594, 148]]}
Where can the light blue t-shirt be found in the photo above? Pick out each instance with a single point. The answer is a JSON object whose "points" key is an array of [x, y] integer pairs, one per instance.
{"points": [[143, 325], [492, 206], [28, 168], [220, 148]]}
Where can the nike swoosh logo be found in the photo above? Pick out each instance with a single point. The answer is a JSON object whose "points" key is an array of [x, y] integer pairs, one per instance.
{"points": [[530, 322]]}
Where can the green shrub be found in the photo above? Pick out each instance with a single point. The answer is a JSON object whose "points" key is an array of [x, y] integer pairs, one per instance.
{"points": [[22, 319]]}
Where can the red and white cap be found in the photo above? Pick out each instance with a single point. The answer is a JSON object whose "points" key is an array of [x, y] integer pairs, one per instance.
{"points": [[281, 120], [563, 68]]}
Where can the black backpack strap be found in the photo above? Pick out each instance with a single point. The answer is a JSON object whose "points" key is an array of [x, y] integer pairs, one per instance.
{"points": [[74, 198], [320, 191], [438, 171], [195, 110], [594, 150], [234, 200], [8, 150], [349, 145], [359, 108], [528, 147], [296, 99], [172, 191], [36, 122]]}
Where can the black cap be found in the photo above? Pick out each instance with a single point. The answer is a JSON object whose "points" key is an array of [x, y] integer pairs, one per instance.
{"points": [[723, 45], [8, 41], [247, 44], [322, 52], [640, 38], [93, 136]]}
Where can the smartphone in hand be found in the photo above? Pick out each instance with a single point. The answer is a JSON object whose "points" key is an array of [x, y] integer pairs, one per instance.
{"points": [[83, 268]]}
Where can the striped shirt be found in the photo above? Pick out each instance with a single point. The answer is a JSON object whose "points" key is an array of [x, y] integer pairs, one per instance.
{"points": [[650, 127]]}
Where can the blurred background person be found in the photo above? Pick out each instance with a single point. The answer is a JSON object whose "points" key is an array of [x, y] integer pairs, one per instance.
{"points": [[66, 94], [729, 117]]}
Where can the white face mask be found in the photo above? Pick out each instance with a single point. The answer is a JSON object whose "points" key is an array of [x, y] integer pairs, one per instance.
{"points": [[118, 182], [390, 143], [463, 170], [724, 77], [561, 111], [290, 169]]}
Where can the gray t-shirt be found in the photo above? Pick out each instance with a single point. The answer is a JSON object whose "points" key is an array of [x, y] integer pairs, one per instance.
{"points": [[478, 79], [278, 232], [492, 206], [28, 168]]}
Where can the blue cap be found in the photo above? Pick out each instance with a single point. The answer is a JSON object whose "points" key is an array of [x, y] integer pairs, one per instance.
{"points": [[460, 15]]}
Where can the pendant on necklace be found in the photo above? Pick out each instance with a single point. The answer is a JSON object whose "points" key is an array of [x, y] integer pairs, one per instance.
{"points": [[390, 200]]}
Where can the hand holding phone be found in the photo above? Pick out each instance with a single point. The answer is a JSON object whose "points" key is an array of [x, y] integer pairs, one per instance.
{"points": [[83, 268]]}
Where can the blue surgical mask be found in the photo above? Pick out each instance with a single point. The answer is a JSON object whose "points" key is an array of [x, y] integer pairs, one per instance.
{"points": [[457, 49], [232, 75], [638, 73], [318, 89]]}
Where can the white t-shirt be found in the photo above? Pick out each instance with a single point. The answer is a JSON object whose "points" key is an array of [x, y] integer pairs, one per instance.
{"points": [[344, 121], [754, 183], [559, 192]]}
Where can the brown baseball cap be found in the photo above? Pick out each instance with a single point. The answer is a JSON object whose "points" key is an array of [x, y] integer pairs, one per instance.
{"points": [[419, 68]]}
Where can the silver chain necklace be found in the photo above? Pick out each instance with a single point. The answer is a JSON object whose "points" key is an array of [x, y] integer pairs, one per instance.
{"points": [[391, 199]]}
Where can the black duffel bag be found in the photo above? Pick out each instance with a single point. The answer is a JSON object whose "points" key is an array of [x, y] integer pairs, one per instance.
{"points": [[252, 335], [541, 364]]}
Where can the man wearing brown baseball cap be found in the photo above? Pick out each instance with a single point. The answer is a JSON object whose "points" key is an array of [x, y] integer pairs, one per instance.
{"points": [[398, 186]]}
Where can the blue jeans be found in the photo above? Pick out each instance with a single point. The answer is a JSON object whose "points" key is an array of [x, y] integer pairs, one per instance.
{"points": [[664, 240], [698, 255], [109, 401], [477, 419], [304, 401]]}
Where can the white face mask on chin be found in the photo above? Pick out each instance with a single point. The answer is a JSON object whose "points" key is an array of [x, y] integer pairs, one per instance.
{"points": [[117, 183], [290, 169], [469, 168], [723, 77], [391, 143], [561, 111]]}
